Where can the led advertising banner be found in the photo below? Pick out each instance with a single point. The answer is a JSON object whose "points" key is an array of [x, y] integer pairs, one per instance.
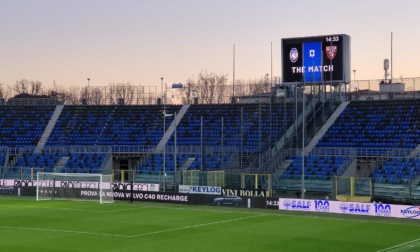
{"points": [[148, 187], [200, 189], [316, 59], [354, 208]]}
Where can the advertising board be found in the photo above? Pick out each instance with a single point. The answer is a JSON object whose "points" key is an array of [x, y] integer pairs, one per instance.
{"points": [[316, 59], [354, 208]]}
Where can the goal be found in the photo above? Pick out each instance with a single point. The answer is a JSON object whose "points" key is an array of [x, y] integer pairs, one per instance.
{"points": [[74, 186], [353, 189]]}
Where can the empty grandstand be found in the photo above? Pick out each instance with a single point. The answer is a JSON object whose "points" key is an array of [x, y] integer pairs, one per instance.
{"points": [[290, 142]]}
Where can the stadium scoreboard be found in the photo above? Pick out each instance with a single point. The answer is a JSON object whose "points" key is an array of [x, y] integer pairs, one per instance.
{"points": [[316, 59]]}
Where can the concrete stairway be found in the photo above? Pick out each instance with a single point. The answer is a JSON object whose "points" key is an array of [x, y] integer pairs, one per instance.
{"points": [[61, 163], [290, 130], [187, 164], [326, 126], [171, 129], [49, 128]]}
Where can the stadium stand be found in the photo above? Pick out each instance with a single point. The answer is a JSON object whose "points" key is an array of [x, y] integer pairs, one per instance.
{"points": [[109, 125], [45, 160], [316, 167], [23, 125], [85, 163], [376, 124], [398, 170], [185, 162], [223, 123], [79, 125], [217, 137], [372, 128], [189, 129]]}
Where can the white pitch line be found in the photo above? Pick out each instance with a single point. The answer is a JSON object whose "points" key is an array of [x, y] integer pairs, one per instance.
{"points": [[195, 226], [399, 245], [87, 210], [64, 231], [69, 209], [127, 236]]}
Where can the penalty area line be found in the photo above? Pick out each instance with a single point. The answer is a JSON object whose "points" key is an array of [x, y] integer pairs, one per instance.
{"points": [[63, 231], [195, 226], [399, 245], [87, 210], [125, 236]]}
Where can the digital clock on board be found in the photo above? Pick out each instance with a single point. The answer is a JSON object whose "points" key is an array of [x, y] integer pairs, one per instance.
{"points": [[332, 39]]}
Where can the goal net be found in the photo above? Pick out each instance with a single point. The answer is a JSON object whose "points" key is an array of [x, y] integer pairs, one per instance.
{"points": [[353, 189], [203, 178], [74, 186]]}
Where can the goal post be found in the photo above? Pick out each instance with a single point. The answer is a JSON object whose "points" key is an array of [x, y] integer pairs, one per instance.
{"points": [[353, 189], [203, 178], [74, 186], [257, 181]]}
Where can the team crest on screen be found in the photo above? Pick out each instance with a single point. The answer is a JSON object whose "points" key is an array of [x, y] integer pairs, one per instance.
{"points": [[331, 52], [294, 55], [312, 53]]}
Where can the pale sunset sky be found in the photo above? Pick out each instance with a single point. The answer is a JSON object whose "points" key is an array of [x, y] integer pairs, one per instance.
{"points": [[140, 41]]}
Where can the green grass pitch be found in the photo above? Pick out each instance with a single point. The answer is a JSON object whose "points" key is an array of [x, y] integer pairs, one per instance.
{"points": [[28, 225]]}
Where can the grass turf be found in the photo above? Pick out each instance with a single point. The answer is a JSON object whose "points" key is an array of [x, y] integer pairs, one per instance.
{"points": [[27, 225]]}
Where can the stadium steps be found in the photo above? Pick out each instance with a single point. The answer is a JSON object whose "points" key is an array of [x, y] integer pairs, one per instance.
{"points": [[415, 153], [284, 165], [326, 126], [187, 163], [271, 157], [49, 128], [61, 163], [290, 130], [106, 167], [6, 161], [171, 129], [351, 169]]}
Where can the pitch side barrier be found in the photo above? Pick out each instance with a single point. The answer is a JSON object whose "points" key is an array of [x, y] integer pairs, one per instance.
{"points": [[209, 195], [195, 195]]}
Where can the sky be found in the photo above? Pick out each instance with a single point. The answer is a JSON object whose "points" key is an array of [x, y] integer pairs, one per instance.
{"points": [[140, 41]]}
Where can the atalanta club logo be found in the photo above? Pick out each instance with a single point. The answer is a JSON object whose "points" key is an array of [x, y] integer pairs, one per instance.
{"points": [[331, 52], [344, 208], [294, 55], [312, 53], [287, 204]]}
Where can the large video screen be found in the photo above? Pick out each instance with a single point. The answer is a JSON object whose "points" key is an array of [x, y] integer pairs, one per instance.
{"points": [[316, 59]]}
